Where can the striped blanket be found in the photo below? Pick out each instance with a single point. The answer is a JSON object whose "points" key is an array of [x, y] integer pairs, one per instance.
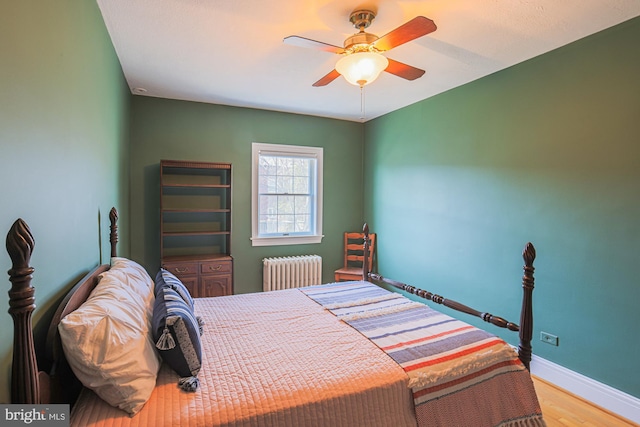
{"points": [[459, 375]]}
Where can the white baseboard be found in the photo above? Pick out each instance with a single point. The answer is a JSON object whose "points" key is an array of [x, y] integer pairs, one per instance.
{"points": [[607, 397]]}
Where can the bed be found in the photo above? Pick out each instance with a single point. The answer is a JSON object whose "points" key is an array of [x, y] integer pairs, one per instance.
{"points": [[339, 354]]}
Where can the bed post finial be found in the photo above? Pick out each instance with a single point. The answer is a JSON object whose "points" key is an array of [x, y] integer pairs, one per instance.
{"points": [[365, 252], [25, 386], [526, 314], [113, 235]]}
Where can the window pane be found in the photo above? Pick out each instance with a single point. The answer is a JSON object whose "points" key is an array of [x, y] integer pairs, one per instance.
{"points": [[285, 224], [303, 223], [301, 185], [267, 165], [285, 205], [301, 167], [267, 184], [302, 205], [268, 205], [285, 166], [284, 185], [268, 224]]}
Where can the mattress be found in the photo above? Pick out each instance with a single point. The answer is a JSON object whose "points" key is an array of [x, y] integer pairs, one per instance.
{"points": [[272, 359]]}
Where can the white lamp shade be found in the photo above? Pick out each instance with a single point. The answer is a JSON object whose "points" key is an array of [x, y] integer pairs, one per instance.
{"points": [[361, 68]]}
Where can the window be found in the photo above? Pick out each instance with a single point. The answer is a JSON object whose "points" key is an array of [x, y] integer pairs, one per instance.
{"points": [[286, 195]]}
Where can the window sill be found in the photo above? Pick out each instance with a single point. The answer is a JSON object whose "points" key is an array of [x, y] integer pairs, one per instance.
{"points": [[285, 240]]}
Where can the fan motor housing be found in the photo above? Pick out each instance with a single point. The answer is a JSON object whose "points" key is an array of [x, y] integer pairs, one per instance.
{"points": [[360, 38], [361, 41]]}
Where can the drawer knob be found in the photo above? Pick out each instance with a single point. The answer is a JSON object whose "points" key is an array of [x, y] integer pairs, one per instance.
{"points": [[182, 270], [216, 268]]}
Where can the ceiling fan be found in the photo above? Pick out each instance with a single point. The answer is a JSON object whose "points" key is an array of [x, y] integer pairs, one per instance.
{"points": [[362, 60]]}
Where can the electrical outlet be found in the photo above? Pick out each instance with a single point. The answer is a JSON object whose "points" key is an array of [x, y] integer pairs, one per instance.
{"points": [[548, 338]]}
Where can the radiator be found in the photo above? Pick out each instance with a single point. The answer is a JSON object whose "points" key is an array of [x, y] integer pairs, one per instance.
{"points": [[291, 272]]}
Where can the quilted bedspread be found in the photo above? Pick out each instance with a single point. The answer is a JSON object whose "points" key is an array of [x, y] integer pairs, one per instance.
{"points": [[312, 357], [459, 375], [272, 359]]}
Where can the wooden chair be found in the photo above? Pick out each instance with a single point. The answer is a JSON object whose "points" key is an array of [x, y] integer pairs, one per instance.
{"points": [[353, 256]]}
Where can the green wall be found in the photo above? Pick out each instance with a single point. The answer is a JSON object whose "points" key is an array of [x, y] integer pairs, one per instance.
{"points": [[165, 129], [63, 140], [548, 152]]}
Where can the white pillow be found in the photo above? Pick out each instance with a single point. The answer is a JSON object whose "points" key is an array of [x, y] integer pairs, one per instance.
{"points": [[107, 340], [134, 276]]}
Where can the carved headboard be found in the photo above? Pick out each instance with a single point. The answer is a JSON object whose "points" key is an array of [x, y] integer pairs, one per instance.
{"points": [[29, 385]]}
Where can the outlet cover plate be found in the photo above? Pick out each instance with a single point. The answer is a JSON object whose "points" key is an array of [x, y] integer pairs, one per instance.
{"points": [[548, 338]]}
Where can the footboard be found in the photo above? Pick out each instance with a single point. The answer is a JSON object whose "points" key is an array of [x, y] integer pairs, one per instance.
{"points": [[525, 328]]}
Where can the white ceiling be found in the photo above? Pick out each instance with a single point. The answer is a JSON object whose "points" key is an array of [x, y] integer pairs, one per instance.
{"points": [[231, 51]]}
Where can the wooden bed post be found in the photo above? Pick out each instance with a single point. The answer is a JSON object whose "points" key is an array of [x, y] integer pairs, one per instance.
{"points": [[113, 235], [526, 314], [365, 253], [25, 385]]}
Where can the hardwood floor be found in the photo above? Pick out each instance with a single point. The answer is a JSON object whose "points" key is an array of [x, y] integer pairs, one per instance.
{"points": [[561, 409]]}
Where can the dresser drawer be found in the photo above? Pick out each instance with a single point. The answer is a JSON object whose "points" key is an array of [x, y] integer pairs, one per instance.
{"points": [[182, 268], [209, 277], [215, 267]]}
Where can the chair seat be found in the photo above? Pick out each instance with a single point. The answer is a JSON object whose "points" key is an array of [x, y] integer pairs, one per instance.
{"points": [[348, 273]]}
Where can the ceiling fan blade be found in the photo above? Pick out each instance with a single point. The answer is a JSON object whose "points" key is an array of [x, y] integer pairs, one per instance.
{"points": [[313, 44], [417, 27], [327, 79], [403, 70]]}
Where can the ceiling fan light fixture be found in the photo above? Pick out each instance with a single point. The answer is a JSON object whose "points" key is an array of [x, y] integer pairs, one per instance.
{"points": [[361, 68]]}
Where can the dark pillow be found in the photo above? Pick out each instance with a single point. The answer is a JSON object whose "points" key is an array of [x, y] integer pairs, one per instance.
{"points": [[176, 333], [165, 278]]}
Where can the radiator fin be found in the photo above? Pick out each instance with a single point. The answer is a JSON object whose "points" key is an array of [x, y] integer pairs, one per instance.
{"points": [[291, 272]]}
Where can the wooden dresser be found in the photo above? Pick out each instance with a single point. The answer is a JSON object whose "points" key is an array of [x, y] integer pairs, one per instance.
{"points": [[195, 225], [204, 277]]}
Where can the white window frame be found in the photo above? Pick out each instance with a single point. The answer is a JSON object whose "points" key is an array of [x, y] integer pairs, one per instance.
{"points": [[258, 148]]}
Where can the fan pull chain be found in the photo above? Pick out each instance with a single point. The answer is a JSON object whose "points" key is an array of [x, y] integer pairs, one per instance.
{"points": [[362, 104]]}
